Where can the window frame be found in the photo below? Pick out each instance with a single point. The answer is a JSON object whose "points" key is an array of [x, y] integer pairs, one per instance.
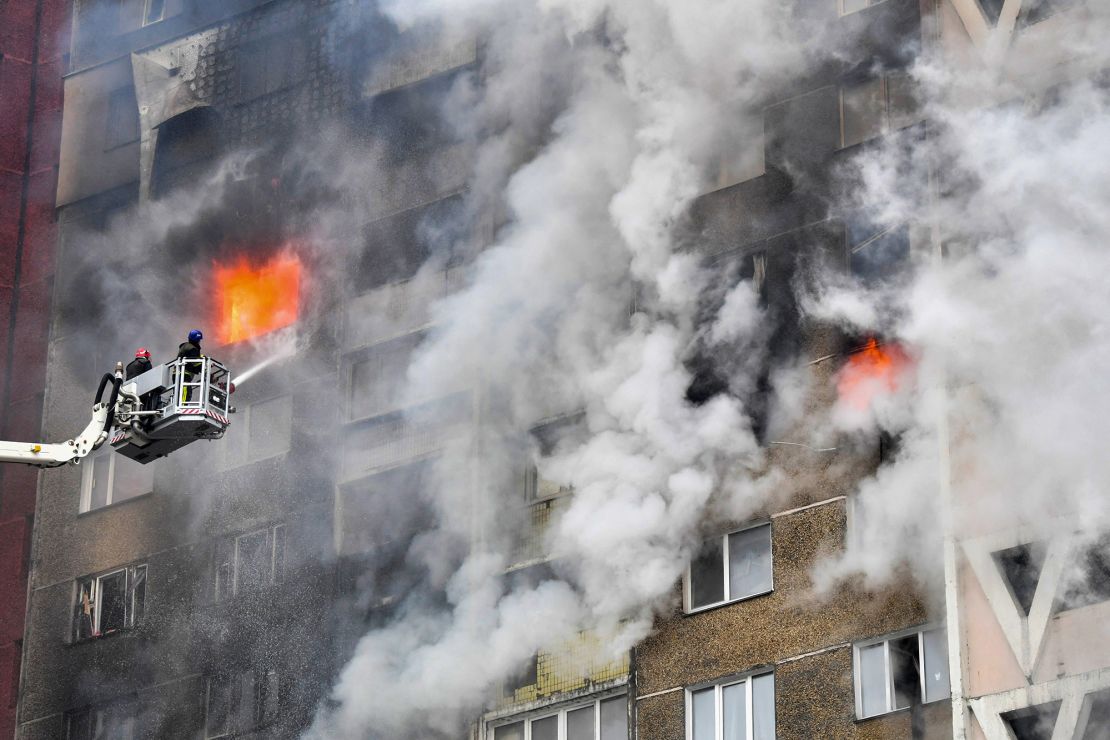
{"points": [[131, 580], [718, 687], [84, 504], [275, 574], [888, 674], [688, 583], [147, 20], [557, 710], [235, 684], [241, 456]]}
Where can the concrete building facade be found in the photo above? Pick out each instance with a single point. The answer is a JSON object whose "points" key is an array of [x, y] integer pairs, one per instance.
{"points": [[163, 605]]}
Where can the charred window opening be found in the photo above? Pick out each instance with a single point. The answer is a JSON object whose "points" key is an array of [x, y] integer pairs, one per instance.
{"points": [[250, 562], [187, 145], [1098, 721], [380, 517], [110, 603], [121, 125], [548, 439], [1033, 723], [378, 377], [409, 121], [1092, 582], [270, 64], [396, 246], [527, 675], [240, 702], [1021, 569], [992, 9], [730, 568], [900, 672]]}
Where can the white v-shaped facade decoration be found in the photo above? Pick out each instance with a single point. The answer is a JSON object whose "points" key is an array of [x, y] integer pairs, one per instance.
{"points": [[1074, 694], [985, 34], [1025, 634]]}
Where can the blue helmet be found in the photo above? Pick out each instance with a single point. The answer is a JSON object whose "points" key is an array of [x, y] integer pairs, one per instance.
{"points": [[196, 335]]}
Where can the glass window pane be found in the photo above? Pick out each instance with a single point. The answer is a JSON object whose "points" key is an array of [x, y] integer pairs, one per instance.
{"points": [[749, 562], [707, 575], [98, 480], [936, 665], [905, 666], [614, 719], [705, 712], [131, 479], [252, 561], [546, 728], [580, 724], [113, 602], [872, 680], [138, 594], [864, 111], [763, 707], [514, 731], [734, 704]]}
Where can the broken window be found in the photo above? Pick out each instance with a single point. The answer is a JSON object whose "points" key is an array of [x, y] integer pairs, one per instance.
{"points": [[600, 719], [121, 125], [117, 722], [729, 568], [250, 562], [396, 246], [1021, 569], [901, 671], [872, 107], [1033, 723], [240, 702], [546, 440], [738, 710], [108, 478], [110, 603], [377, 382], [270, 64], [876, 252]]}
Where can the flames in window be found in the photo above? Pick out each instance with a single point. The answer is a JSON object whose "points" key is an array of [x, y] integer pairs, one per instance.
{"points": [[254, 299], [873, 371]]}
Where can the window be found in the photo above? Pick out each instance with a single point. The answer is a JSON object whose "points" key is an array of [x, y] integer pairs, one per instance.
{"points": [[153, 11], [992, 10], [876, 252], [240, 702], [603, 719], [1021, 569], [109, 478], [377, 382], [875, 106], [900, 671], [1090, 583], [251, 562], [261, 430], [118, 722], [745, 161], [729, 568], [110, 603], [853, 6], [546, 440], [1035, 11], [1033, 723], [271, 64], [121, 125], [737, 710]]}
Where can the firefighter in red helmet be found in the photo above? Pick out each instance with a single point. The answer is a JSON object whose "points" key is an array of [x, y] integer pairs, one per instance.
{"points": [[140, 364]]}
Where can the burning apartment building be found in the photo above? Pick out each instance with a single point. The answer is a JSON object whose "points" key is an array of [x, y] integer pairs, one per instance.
{"points": [[604, 370]]}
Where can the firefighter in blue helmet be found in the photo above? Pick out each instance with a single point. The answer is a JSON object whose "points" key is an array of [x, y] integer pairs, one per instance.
{"points": [[190, 350]]}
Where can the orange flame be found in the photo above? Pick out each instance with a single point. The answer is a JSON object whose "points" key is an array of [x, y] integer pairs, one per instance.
{"points": [[873, 371], [255, 300]]}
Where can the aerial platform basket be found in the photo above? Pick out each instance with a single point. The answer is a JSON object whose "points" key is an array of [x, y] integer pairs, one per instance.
{"points": [[177, 403]]}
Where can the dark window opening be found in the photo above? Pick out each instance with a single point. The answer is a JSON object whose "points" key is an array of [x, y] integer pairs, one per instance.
{"points": [[707, 575], [876, 253], [1035, 11], [1092, 585], [1021, 568], [110, 603], [992, 9], [410, 121], [905, 668], [187, 145], [1098, 721], [397, 246], [1033, 723]]}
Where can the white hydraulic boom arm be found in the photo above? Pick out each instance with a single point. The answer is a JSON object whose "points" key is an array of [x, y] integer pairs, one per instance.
{"points": [[47, 455]]}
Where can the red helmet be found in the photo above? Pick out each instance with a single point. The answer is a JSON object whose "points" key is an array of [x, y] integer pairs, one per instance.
{"points": [[142, 352]]}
